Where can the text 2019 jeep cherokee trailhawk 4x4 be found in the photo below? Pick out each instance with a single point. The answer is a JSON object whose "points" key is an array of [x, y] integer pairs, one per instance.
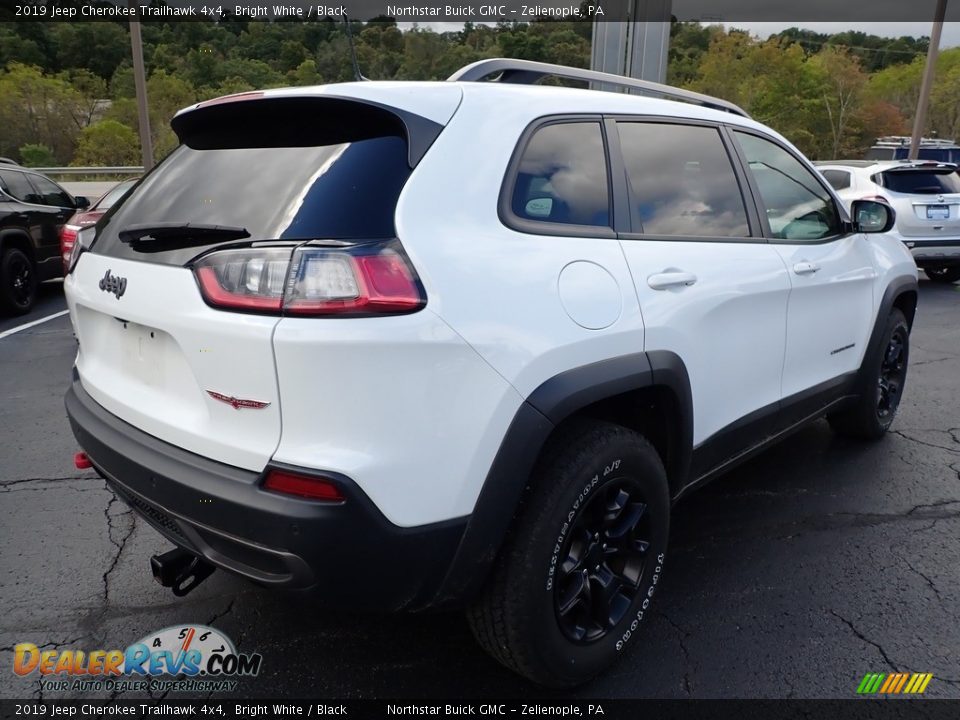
{"points": [[430, 344]]}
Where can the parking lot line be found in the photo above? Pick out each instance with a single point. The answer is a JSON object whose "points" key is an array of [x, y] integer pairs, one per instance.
{"points": [[28, 325]]}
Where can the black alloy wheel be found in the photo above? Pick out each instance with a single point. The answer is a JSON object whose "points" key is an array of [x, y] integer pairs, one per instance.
{"points": [[893, 371], [18, 281], [604, 560]]}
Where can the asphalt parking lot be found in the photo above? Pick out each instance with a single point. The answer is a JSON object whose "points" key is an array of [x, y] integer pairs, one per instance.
{"points": [[792, 576]]}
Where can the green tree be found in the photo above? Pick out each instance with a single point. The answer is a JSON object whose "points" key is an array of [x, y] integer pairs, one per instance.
{"points": [[37, 155], [166, 95], [107, 143], [39, 109], [305, 74], [841, 82]]}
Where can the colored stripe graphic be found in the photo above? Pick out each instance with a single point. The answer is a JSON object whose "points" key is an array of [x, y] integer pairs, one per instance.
{"points": [[894, 683], [870, 683]]}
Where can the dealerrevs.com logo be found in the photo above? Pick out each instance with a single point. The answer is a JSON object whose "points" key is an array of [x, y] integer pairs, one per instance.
{"points": [[191, 658]]}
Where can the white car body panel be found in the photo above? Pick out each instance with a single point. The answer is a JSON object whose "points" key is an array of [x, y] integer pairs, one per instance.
{"points": [[831, 309], [159, 382], [400, 405]]}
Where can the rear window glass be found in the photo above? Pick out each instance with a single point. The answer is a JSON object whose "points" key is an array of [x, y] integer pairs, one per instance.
{"points": [[919, 182], [339, 191]]}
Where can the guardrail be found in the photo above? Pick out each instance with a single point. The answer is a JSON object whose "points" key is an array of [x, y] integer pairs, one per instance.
{"points": [[117, 170]]}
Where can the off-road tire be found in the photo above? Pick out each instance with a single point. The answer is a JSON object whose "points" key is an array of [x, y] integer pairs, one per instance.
{"points": [[18, 282], [943, 275], [517, 618], [867, 418]]}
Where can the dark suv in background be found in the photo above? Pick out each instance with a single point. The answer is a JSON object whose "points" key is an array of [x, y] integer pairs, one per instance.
{"points": [[32, 209]]}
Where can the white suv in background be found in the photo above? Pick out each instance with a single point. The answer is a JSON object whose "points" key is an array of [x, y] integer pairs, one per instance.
{"points": [[926, 197], [464, 343]]}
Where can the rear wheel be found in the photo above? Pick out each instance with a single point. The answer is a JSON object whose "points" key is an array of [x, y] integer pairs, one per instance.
{"points": [[574, 579], [18, 281], [943, 274], [886, 374]]}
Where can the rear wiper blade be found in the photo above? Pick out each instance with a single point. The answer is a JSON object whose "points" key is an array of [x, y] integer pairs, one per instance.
{"points": [[180, 232]]}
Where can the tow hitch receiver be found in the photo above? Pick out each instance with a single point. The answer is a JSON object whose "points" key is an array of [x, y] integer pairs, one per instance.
{"points": [[180, 570]]}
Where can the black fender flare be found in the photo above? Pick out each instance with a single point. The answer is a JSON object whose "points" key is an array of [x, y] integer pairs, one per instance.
{"points": [[7, 233], [555, 400], [898, 286]]}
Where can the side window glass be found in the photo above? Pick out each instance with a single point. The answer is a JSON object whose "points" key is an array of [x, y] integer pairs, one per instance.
{"points": [[798, 207], [562, 177], [838, 179], [51, 193], [681, 181], [16, 185]]}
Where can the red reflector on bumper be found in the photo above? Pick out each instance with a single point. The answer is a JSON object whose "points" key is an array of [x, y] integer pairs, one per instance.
{"points": [[81, 461], [304, 486]]}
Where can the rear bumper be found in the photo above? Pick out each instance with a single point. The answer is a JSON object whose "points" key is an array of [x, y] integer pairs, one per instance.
{"points": [[936, 252], [349, 551]]}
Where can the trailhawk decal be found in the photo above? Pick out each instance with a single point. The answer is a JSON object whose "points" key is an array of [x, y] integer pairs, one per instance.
{"points": [[237, 403]]}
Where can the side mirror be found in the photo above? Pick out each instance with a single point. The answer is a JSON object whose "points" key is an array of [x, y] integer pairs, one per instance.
{"points": [[82, 202], [870, 216]]}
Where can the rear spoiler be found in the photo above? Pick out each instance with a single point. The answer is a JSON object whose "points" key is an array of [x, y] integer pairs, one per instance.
{"points": [[258, 120]]}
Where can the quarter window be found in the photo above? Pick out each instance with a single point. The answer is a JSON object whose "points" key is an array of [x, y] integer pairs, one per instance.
{"points": [[562, 176], [681, 181], [798, 207]]}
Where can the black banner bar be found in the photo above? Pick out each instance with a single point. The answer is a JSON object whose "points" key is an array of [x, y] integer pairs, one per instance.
{"points": [[212, 709], [730, 11]]}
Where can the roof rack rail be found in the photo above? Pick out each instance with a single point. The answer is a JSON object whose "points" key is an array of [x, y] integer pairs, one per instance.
{"points": [[527, 72]]}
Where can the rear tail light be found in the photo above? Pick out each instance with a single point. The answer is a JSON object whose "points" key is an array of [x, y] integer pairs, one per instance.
{"points": [[81, 461], [68, 235], [82, 240], [304, 486], [367, 279]]}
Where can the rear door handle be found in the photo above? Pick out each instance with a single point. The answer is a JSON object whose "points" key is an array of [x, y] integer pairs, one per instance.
{"points": [[671, 278], [805, 268]]}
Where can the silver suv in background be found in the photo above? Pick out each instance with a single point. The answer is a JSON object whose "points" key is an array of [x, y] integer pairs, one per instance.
{"points": [[926, 197]]}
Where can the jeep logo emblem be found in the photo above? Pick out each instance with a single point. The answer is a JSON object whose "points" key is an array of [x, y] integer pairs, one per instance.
{"points": [[113, 284]]}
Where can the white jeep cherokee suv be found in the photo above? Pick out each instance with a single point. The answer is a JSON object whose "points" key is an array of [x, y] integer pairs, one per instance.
{"points": [[465, 343], [925, 195]]}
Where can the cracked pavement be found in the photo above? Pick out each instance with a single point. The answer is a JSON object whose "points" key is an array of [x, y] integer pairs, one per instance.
{"points": [[792, 576]]}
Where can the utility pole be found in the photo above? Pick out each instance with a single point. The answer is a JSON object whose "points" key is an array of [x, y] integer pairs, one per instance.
{"points": [[140, 81], [920, 119]]}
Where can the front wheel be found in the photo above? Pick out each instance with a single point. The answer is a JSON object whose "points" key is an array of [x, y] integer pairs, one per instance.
{"points": [[886, 374], [18, 281], [578, 571], [943, 274]]}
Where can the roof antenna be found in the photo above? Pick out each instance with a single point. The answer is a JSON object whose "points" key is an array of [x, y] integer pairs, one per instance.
{"points": [[353, 51]]}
